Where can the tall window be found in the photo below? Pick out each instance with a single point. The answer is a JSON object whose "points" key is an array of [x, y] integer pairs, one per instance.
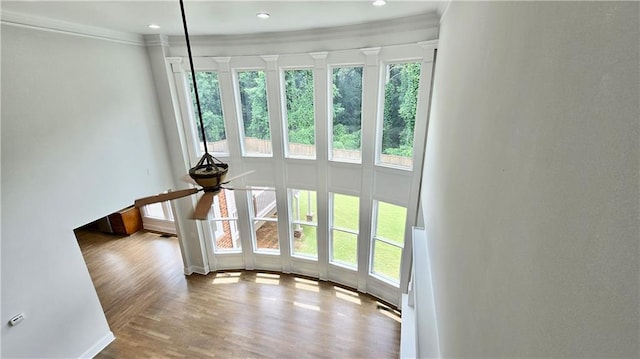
{"points": [[388, 240], [223, 222], [345, 216], [301, 139], [400, 99], [304, 223], [347, 114], [255, 114], [265, 220], [209, 93]]}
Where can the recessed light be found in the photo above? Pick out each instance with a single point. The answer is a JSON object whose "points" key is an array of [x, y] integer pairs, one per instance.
{"points": [[154, 26], [379, 3], [263, 15]]}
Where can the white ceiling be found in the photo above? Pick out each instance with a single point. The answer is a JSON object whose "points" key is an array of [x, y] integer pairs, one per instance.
{"points": [[218, 17]]}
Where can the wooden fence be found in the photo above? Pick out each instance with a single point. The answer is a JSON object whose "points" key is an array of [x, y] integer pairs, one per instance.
{"points": [[259, 146]]}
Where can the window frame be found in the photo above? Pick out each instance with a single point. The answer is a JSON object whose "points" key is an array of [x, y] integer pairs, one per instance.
{"points": [[333, 227], [376, 238], [193, 123], [211, 217], [285, 114], [253, 219], [380, 115], [240, 119], [330, 69], [293, 222]]}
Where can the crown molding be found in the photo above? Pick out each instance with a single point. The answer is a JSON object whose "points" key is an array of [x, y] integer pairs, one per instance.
{"points": [[156, 40], [22, 20], [420, 27], [443, 8]]}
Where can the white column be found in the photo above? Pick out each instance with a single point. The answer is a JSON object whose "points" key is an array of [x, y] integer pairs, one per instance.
{"points": [[370, 87], [190, 236], [321, 107]]}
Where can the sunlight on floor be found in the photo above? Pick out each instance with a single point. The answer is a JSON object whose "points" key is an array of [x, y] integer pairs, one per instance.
{"points": [[347, 295], [306, 284], [390, 314], [268, 278], [227, 278], [307, 306], [268, 275]]}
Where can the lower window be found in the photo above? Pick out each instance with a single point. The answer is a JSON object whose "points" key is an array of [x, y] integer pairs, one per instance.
{"points": [[345, 215], [387, 240], [223, 222], [265, 220], [304, 223]]}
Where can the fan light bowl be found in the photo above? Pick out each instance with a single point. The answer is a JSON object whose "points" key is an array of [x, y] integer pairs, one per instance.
{"points": [[210, 177]]}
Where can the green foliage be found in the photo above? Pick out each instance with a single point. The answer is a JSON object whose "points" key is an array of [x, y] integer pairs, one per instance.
{"points": [[209, 94], [253, 97], [400, 101], [344, 140], [347, 107], [299, 100]]}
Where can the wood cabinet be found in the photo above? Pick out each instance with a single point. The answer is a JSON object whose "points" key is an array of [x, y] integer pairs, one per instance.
{"points": [[126, 221]]}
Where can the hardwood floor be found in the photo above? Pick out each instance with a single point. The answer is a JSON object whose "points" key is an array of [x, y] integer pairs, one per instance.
{"points": [[156, 311]]}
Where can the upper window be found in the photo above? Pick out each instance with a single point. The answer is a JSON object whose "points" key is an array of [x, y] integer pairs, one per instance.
{"points": [[399, 115], [255, 114], [209, 93], [301, 141], [347, 114]]}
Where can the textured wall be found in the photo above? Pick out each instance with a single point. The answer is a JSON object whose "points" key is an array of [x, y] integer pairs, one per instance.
{"points": [[530, 189]]}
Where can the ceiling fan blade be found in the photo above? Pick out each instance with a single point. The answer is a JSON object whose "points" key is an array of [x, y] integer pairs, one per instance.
{"points": [[165, 197], [247, 188], [204, 206], [238, 176], [186, 178]]}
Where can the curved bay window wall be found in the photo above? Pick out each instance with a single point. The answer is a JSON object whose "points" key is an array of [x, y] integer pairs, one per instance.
{"points": [[336, 140]]}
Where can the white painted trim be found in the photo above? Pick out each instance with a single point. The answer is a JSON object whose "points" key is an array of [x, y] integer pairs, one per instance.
{"points": [[156, 40], [415, 22], [196, 269], [427, 336], [22, 20], [159, 225], [99, 346], [330, 176], [414, 28], [408, 333]]}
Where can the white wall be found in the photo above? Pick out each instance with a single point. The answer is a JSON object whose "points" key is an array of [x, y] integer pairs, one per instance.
{"points": [[531, 180], [81, 137]]}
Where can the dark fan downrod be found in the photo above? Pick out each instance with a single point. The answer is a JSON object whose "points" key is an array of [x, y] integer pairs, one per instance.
{"points": [[209, 172]]}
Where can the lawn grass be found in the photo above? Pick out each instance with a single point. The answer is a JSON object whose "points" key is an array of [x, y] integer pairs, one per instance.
{"points": [[390, 225]]}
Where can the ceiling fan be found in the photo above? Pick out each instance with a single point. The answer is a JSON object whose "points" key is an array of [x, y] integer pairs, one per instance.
{"points": [[209, 173]]}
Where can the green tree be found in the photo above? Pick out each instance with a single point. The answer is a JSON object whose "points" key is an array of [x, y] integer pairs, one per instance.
{"points": [[347, 107], [299, 100], [209, 95], [253, 98], [400, 100]]}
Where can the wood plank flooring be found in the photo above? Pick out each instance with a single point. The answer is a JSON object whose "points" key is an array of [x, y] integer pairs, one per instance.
{"points": [[157, 312]]}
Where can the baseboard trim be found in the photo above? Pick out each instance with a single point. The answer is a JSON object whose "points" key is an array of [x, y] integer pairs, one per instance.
{"points": [[196, 269], [97, 347]]}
